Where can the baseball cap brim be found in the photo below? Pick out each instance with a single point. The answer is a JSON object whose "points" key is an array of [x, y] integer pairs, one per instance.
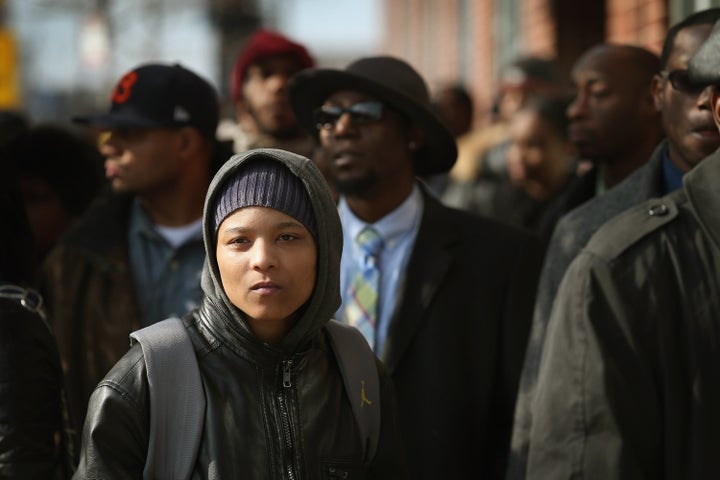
{"points": [[118, 120]]}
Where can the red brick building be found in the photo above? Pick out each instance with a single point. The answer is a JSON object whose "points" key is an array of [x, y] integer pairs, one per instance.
{"points": [[471, 40]]}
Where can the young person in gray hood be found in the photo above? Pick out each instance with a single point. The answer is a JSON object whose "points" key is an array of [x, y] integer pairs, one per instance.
{"points": [[275, 402]]}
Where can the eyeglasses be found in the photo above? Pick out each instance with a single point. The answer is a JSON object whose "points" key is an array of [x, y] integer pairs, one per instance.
{"points": [[680, 81], [327, 116]]}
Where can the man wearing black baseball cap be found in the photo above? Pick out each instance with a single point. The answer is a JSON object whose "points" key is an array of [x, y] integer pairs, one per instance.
{"points": [[135, 257], [444, 297]]}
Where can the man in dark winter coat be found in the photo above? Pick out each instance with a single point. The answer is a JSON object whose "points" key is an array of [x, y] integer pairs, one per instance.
{"points": [[136, 255], [691, 135], [629, 375]]}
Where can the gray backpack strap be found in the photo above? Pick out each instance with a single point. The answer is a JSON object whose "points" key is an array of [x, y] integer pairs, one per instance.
{"points": [[362, 385], [177, 400]]}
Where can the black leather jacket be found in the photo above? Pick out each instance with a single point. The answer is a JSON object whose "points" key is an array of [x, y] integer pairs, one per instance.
{"points": [[30, 393], [272, 412], [628, 382], [255, 425]]}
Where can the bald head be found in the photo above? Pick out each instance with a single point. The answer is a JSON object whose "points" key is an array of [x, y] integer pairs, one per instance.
{"points": [[613, 120], [627, 62]]}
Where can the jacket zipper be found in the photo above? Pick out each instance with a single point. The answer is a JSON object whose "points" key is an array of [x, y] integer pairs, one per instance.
{"points": [[287, 381], [284, 409]]}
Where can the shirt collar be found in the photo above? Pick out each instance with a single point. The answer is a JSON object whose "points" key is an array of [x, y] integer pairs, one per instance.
{"points": [[141, 224], [393, 225], [140, 221], [672, 175]]}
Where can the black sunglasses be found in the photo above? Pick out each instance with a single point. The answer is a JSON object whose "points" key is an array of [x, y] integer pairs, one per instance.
{"points": [[680, 81], [326, 117]]}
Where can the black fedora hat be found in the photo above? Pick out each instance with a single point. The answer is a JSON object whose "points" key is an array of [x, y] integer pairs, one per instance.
{"points": [[392, 81]]}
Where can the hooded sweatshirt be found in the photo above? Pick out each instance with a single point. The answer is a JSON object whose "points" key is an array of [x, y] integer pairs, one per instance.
{"points": [[272, 411]]}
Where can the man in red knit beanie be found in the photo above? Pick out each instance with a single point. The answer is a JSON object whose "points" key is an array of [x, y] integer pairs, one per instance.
{"points": [[258, 88]]}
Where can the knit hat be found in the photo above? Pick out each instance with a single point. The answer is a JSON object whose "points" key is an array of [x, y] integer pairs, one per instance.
{"points": [[266, 183], [265, 43]]}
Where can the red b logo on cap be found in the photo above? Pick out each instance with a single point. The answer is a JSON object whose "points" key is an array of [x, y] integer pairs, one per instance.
{"points": [[121, 94]]}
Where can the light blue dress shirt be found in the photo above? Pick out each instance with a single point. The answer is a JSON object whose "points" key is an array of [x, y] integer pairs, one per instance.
{"points": [[167, 279], [398, 230]]}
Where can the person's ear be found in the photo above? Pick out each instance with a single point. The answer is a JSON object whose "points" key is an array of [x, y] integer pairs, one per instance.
{"points": [[416, 138], [658, 93], [648, 104], [190, 141]]}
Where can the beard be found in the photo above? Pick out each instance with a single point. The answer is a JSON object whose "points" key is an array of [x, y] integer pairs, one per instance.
{"points": [[360, 187], [268, 130]]}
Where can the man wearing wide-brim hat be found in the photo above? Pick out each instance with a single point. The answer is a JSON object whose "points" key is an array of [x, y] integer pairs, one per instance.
{"points": [[444, 297]]}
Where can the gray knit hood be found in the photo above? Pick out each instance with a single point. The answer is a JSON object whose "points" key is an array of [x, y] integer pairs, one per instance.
{"points": [[325, 299]]}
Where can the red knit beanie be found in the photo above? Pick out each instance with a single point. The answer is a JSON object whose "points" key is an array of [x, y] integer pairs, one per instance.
{"points": [[264, 43]]}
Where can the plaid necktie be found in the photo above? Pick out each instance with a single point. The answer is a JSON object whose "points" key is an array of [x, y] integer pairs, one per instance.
{"points": [[362, 300]]}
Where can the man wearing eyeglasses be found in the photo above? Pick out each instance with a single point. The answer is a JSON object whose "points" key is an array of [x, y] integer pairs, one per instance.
{"points": [[443, 296], [691, 135], [629, 382]]}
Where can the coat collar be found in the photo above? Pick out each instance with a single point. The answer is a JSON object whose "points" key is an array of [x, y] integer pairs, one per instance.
{"points": [[702, 186], [428, 265], [104, 225]]}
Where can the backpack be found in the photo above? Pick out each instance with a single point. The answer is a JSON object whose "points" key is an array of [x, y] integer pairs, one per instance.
{"points": [[176, 392]]}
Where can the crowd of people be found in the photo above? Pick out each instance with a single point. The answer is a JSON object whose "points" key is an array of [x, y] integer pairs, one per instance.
{"points": [[353, 278]]}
